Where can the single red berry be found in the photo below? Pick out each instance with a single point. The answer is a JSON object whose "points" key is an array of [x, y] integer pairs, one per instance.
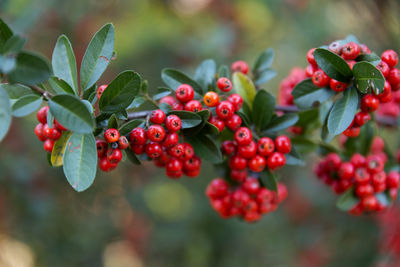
{"points": [[59, 126], [174, 175], [276, 160], [240, 66], [170, 140], [384, 68], [364, 190], [247, 151], [157, 116], [100, 90], [257, 163], [138, 136], [369, 203], [224, 84], [361, 118], [177, 151], [155, 133], [211, 99], [234, 122], [310, 57], [162, 160], [236, 100], [333, 162], [105, 165], [102, 147], [335, 47], [283, 144], [362, 176], [39, 132], [243, 136], [48, 145], [51, 133], [217, 188], [351, 63], [220, 124], [173, 123], [42, 114], [138, 149], [394, 79], [265, 146], [111, 135], [153, 150], [193, 106], [184, 93], [237, 163], [364, 49], [251, 186], [114, 155], [346, 171], [228, 148], [192, 164], [168, 100], [386, 95], [350, 51], [379, 179], [320, 79], [369, 103], [337, 86], [174, 165], [375, 164], [390, 57], [123, 142], [225, 110], [378, 144], [352, 131], [310, 69], [238, 175], [177, 106], [393, 179], [358, 160]]}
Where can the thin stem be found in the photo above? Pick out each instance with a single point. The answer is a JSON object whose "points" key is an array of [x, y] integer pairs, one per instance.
{"points": [[42, 92]]}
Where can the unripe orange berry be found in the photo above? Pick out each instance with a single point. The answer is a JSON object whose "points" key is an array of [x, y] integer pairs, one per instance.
{"points": [[211, 99]]}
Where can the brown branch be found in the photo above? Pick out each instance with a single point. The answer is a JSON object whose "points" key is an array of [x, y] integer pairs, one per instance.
{"points": [[40, 91]]}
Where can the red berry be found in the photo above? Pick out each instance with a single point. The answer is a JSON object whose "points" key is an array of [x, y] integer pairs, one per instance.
{"points": [[390, 57], [157, 116], [358, 160], [337, 86], [217, 188], [240, 66], [335, 47], [123, 143], [59, 126], [283, 144], [111, 135], [364, 190], [369, 203], [237, 163], [364, 49], [173, 123], [243, 136], [333, 162], [211, 99], [224, 84], [220, 124], [393, 179], [386, 95], [251, 186], [234, 122], [42, 114], [193, 106], [155, 133], [346, 171], [168, 100], [138, 136], [100, 90], [239, 175], [362, 176], [320, 79], [352, 131], [105, 165], [189, 151], [310, 57], [170, 140], [236, 100], [384, 68], [48, 145], [350, 51], [282, 192], [265, 146], [39, 132], [351, 63], [369, 103], [51, 133], [228, 148], [192, 164], [174, 175], [247, 151], [102, 147], [138, 149], [310, 69], [225, 110], [184, 93], [177, 106], [174, 165], [361, 118], [177, 151], [114, 155], [377, 145], [375, 164], [394, 79], [379, 179], [257, 163], [153, 150], [276, 160]]}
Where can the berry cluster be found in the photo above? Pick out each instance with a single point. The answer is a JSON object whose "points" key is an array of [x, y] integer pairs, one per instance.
{"points": [[244, 153], [370, 101], [248, 201], [365, 175], [109, 150], [161, 144], [392, 108], [48, 135]]}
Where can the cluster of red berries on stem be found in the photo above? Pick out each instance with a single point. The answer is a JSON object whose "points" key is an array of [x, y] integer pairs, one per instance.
{"points": [[109, 150], [365, 175], [161, 144], [48, 135], [248, 200]]}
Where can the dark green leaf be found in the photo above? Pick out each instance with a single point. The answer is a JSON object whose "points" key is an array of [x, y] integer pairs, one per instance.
{"points": [[206, 148], [80, 161], [263, 109], [210, 128], [189, 119], [5, 111], [333, 65], [384, 199], [307, 95], [326, 136], [173, 78], [7, 64], [5, 33], [64, 63], [137, 102], [303, 145], [307, 117], [132, 157], [373, 58], [14, 45], [281, 123], [120, 92], [60, 86], [244, 87], [205, 115], [26, 105], [72, 112], [264, 60], [165, 107], [97, 56], [368, 77], [343, 112], [294, 158], [205, 74], [112, 122], [50, 120], [223, 71], [144, 87], [161, 92], [129, 126], [31, 69], [268, 179], [347, 201], [265, 76], [16, 91]]}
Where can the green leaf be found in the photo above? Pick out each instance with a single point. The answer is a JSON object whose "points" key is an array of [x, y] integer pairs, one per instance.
{"points": [[7, 64], [72, 112], [50, 119], [129, 126], [132, 157], [161, 92], [307, 95], [268, 179], [347, 200], [281, 123], [97, 56], [5, 34], [263, 109], [205, 74], [264, 60], [14, 45], [5, 111], [80, 161], [16, 91], [64, 63], [206, 148], [265, 76], [26, 105], [294, 158], [120, 92], [112, 122], [144, 87], [351, 38], [60, 86], [244, 87], [373, 58], [31, 69], [343, 112], [368, 77], [189, 119], [57, 154], [333, 65], [173, 78], [303, 145], [205, 115], [223, 71], [210, 129]]}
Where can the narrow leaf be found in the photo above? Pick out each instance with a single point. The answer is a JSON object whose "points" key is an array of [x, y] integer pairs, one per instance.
{"points": [[60, 86], [244, 87], [307, 95], [333, 65], [31, 69], [281, 123], [112, 122], [269, 180], [264, 60], [263, 109], [173, 78], [26, 105], [5, 111], [265, 76], [5, 33], [205, 74]]}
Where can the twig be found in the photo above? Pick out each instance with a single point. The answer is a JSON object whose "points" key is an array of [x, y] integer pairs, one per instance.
{"points": [[42, 92]]}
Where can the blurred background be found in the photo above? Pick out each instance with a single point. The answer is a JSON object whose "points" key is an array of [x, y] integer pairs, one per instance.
{"points": [[135, 216]]}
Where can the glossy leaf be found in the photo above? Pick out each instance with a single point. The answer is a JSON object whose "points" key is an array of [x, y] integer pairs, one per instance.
{"points": [[14, 44], [26, 105], [347, 200], [31, 69], [161, 92], [307, 95], [263, 109], [5, 112], [205, 115], [188, 119], [173, 78], [132, 157], [367, 77], [129, 126], [16, 91], [205, 74], [112, 122], [268, 179], [7, 64], [244, 87], [264, 60], [57, 154], [60, 86], [265, 76], [206, 148], [333, 65], [373, 58], [5, 33], [281, 123]]}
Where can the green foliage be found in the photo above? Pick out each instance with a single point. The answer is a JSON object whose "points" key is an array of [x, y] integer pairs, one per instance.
{"points": [[60, 86], [347, 200], [173, 78], [26, 105], [14, 45], [263, 109], [112, 122], [281, 123], [333, 65], [129, 126], [307, 95], [188, 119], [244, 87], [16, 91], [368, 77], [268, 179], [262, 67], [5, 34], [206, 148], [205, 74], [5, 112], [373, 58]]}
